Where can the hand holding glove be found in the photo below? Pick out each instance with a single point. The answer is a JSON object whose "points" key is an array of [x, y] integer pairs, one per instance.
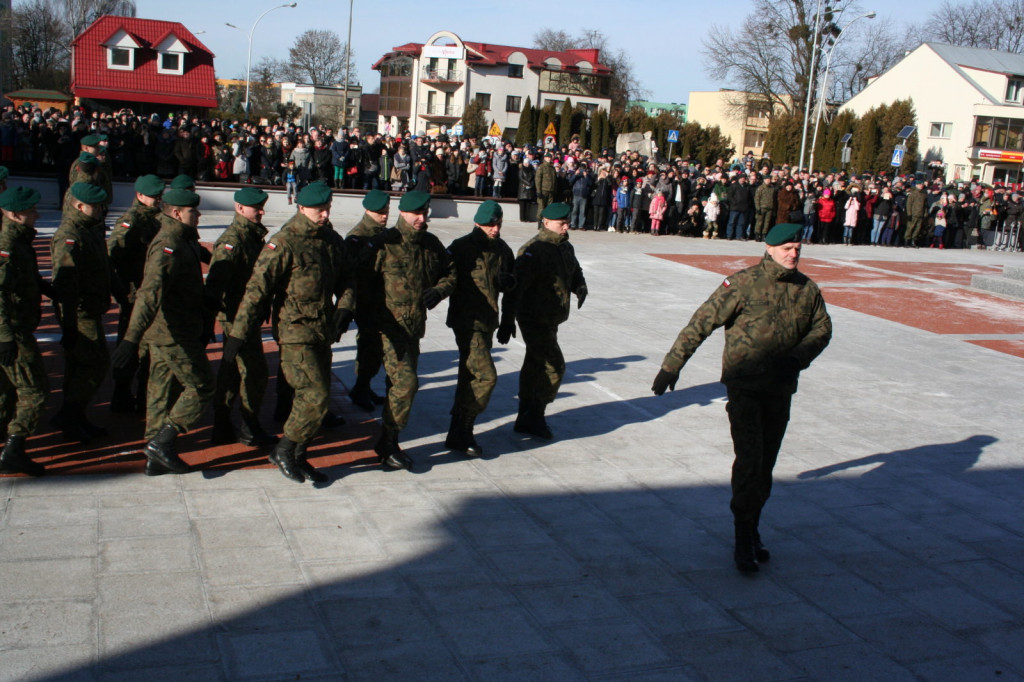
{"points": [[664, 380]]}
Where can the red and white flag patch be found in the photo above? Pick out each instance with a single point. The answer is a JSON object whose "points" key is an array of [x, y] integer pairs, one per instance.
{"points": [[69, 242], [126, 225], [272, 246], [229, 247], [168, 250], [4, 254], [726, 283]]}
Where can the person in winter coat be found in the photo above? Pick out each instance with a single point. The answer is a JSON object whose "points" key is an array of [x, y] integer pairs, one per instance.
{"points": [[527, 186], [623, 197], [658, 205], [880, 213], [826, 206], [852, 215], [499, 171]]}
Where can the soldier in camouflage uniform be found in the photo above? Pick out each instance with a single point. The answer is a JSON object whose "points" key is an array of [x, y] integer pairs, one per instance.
{"points": [[369, 298], [234, 257], [23, 382], [546, 273], [546, 180], [482, 263], [311, 306], [81, 280], [127, 245], [168, 317], [415, 274], [764, 208], [776, 324]]}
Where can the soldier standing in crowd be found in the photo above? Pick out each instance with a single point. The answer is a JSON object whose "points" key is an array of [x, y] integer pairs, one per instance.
{"points": [[917, 209], [234, 257], [546, 181], [415, 275], [546, 273], [23, 382], [168, 317], [776, 324], [369, 297], [81, 281], [764, 207], [482, 263], [127, 245], [311, 307]]}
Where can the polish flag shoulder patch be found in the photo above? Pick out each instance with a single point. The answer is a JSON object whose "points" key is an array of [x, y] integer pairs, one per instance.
{"points": [[126, 226], [4, 254], [726, 283], [69, 242], [272, 246], [168, 250], [229, 247]]}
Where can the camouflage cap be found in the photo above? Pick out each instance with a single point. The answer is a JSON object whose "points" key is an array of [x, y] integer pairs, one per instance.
{"points": [[93, 140], [149, 186], [251, 196], [783, 233], [376, 200], [488, 213], [19, 199], [89, 158], [89, 194], [314, 194], [556, 211], [183, 182], [181, 197], [411, 202]]}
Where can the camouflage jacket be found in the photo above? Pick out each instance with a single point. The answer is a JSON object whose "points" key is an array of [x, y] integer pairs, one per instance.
{"points": [[295, 276], [477, 260], [101, 177], [20, 300], [169, 304], [407, 269], [545, 178], [344, 284], [546, 272], [81, 266], [128, 244], [772, 316], [234, 257], [764, 197], [369, 287]]}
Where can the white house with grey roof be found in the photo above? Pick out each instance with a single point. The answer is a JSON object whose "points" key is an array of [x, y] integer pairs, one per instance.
{"points": [[969, 104]]}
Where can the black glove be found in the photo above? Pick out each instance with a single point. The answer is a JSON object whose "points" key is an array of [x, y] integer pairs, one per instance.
{"points": [[69, 335], [787, 368], [231, 347], [581, 295], [8, 351], [506, 281], [664, 380], [124, 355], [342, 322], [431, 297], [506, 330], [388, 236]]}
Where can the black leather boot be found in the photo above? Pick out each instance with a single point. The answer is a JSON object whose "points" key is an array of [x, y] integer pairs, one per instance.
{"points": [[162, 453], [760, 551], [388, 452], [531, 421], [223, 430], [283, 455], [332, 420], [305, 468], [460, 435], [14, 459], [743, 554], [251, 432]]}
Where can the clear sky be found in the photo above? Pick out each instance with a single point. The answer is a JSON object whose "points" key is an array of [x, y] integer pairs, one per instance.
{"points": [[662, 37]]}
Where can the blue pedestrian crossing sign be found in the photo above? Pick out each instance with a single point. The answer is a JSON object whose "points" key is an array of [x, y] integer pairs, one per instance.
{"points": [[897, 156], [673, 136]]}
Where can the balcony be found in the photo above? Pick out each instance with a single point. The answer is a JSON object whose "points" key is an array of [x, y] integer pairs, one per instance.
{"points": [[758, 122], [441, 76], [440, 112]]}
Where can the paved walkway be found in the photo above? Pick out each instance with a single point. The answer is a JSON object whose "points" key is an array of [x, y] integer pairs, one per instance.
{"points": [[895, 524]]}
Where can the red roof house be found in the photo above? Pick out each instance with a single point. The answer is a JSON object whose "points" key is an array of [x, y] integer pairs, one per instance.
{"points": [[142, 63]]}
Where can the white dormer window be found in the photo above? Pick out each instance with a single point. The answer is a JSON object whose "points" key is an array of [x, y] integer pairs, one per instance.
{"points": [[171, 53], [1014, 89], [121, 51]]}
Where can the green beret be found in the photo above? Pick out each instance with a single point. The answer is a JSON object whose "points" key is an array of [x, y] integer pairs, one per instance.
{"points": [[783, 233], [556, 211], [181, 197], [488, 213], [19, 199], [86, 157], [93, 140], [251, 196], [149, 186], [376, 200], [89, 194], [411, 202], [183, 182], [314, 194], [4, 173]]}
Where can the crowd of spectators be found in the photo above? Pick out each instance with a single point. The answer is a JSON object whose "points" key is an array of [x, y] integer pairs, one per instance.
{"points": [[624, 192]]}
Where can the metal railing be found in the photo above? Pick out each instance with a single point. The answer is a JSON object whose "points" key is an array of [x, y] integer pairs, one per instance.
{"points": [[445, 75], [449, 111]]}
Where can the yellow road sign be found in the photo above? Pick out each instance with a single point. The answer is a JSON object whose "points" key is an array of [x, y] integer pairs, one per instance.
{"points": [[550, 130], [495, 131]]}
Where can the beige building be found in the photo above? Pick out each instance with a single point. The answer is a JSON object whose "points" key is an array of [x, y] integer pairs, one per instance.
{"points": [[323, 103], [741, 116]]}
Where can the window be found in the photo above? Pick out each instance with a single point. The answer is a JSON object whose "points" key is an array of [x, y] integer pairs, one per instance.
{"points": [[171, 62], [484, 98], [941, 130], [120, 58], [1014, 88], [515, 71], [513, 103]]}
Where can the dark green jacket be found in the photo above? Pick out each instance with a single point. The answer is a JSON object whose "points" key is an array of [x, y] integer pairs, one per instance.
{"points": [[81, 266], [477, 260], [368, 283], [546, 272], [128, 244], [234, 257], [545, 178], [20, 300], [773, 318]]}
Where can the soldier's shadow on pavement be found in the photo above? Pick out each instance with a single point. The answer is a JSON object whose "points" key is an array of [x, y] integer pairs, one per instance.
{"points": [[948, 458]]}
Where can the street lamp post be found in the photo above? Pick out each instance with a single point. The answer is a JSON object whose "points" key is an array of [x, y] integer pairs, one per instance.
{"points": [[348, 47], [824, 82], [248, 61], [811, 82]]}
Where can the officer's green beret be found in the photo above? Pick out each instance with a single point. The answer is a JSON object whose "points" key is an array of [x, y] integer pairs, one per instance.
{"points": [[19, 199], [4, 173], [89, 194], [149, 186], [488, 213], [251, 196], [314, 194], [86, 157], [183, 182], [783, 233], [375, 200], [556, 211], [93, 140], [181, 197], [411, 202]]}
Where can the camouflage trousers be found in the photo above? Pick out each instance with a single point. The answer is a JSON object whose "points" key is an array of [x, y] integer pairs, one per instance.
{"points": [[86, 364], [369, 352], [758, 422], [23, 389], [180, 386], [763, 222], [247, 376], [915, 227], [543, 366], [401, 359], [477, 376], [307, 369]]}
